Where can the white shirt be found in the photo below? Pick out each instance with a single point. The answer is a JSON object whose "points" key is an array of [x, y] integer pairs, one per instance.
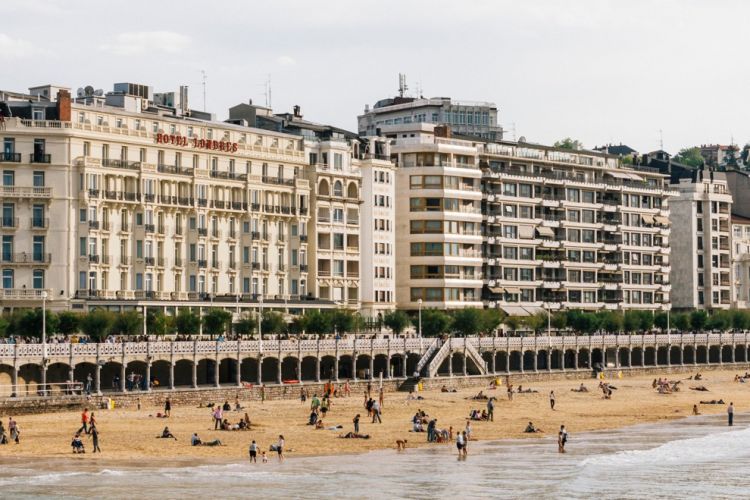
{"points": [[460, 438]]}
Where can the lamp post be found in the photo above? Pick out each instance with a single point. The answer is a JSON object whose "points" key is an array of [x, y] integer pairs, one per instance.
{"points": [[260, 323], [44, 341], [420, 324], [145, 330]]}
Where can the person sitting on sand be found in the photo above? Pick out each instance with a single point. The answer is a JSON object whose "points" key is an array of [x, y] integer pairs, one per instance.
{"points": [[318, 425], [195, 440], [226, 407], [225, 425], [313, 418], [444, 389], [695, 410], [354, 435], [167, 434], [247, 420], [701, 388], [530, 429], [698, 376], [713, 402], [77, 444], [480, 396]]}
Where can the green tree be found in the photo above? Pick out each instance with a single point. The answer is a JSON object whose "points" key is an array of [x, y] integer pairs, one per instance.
{"points": [[298, 325], [568, 143], [536, 322], [160, 324], [467, 322], [318, 323], [698, 320], [513, 323], [397, 321], [583, 322], [128, 323], [435, 322], [342, 321], [69, 322], [610, 321], [689, 156], [273, 323], [681, 321], [719, 320], [4, 324], [740, 319], [645, 320], [188, 323], [491, 320], [661, 321], [97, 324], [559, 321], [29, 323], [216, 321], [245, 326]]}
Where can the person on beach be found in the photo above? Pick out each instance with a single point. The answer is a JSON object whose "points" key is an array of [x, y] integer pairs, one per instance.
{"points": [[552, 399], [280, 448], [3, 438], [730, 414], [218, 417], [84, 421], [356, 423], [13, 430], [253, 451], [468, 431], [562, 438], [88, 384], [94, 435], [376, 412], [77, 444], [167, 434], [695, 410], [460, 444], [302, 395], [347, 389], [510, 392], [466, 444], [138, 403], [315, 403], [264, 457], [381, 397], [168, 407], [491, 409], [262, 394], [530, 429]]}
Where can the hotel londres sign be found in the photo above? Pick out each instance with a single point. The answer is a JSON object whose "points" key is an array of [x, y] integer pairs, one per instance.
{"points": [[208, 144]]}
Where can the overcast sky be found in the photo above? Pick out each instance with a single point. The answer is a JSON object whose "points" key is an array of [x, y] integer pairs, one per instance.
{"points": [[600, 71]]}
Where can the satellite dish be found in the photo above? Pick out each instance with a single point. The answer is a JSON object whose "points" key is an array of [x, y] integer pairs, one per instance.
{"points": [[522, 139], [80, 92], [89, 90], [98, 92]]}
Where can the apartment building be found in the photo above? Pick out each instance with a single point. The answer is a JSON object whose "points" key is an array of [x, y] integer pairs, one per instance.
{"points": [[741, 261], [524, 227], [132, 198], [702, 247]]}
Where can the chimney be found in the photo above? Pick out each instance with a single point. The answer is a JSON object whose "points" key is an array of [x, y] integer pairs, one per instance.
{"points": [[443, 131], [297, 111], [63, 106]]}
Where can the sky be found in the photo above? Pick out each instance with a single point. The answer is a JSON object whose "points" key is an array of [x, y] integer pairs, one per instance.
{"points": [[633, 72]]}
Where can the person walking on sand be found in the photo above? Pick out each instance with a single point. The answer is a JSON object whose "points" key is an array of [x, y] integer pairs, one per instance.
{"points": [[92, 422], [562, 438], [168, 407], [381, 397], [13, 430], [491, 409], [510, 392], [730, 414], [262, 394], [253, 451], [466, 444], [218, 416], [280, 448], [94, 435], [356, 423], [552, 399], [376, 412], [84, 421]]}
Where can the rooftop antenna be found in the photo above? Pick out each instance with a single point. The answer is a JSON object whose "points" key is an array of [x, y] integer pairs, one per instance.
{"points": [[419, 90], [402, 87], [661, 139], [204, 76], [267, 93]]}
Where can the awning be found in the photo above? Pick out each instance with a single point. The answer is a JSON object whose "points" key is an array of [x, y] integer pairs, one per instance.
{"points": [[512, 290], [496, 289], [618, 175], [648, 219], [635, 177], [545, 231], [664, 221], [514, 310], [526, 232]]}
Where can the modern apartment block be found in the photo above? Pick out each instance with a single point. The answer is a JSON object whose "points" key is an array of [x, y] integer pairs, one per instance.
{"points": [[525, 227], [702, 247], [120, 199], [741, 262]]}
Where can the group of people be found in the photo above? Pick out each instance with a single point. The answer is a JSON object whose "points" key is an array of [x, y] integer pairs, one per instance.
{"points": [[665, 386], [13, 432], [89, 428]]}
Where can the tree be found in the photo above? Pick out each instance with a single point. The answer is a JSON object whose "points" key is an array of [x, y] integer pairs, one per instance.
{"points": [[298, 325], [188, 323], [342, 321], [611, 322], [536, 322], [689, 156], [513, 323], [740, 319], [397, 321], [491, 320], [97, 324], [583, 322], [698, 320], [318, 323], [681, 321], [661, 321], [568, 143], [29, 323], [160, 324], [245, 326], [719, 320], [559, 321], [4, 324], [645, 320], [215, 321], [435, 322], [127, 323], [467, 322], [273, 323], [69, 322]]}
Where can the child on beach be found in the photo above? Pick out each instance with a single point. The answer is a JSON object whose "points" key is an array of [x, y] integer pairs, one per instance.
{"points": [[264, 457]]}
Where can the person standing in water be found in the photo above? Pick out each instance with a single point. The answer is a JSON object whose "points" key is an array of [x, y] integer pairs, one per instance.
{"points": [[253, 452], [730, 414], [562, 438], [280, 448]]}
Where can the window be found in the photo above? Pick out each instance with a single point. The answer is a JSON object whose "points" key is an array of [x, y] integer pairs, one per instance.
{"points": [[38, 179], [38, 279], [7, 278], [9, 178]]}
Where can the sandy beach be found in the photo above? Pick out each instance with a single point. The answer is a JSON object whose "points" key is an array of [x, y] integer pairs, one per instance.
{"points": [[127, 434]]}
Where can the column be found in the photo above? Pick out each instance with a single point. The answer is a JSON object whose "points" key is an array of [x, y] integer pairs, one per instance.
{"points": [[195, 373], [260, 369], [299, 368], [562, 358], [575, 360], [669, 355], [123, 375], [317, 368], [590, 358], [372, 366], [71, 373], [217, 367], [507, 361], [734, 348], [682, 355], [630, 358], [450, 363], [354, 366], [336, 368], [278, 371], [171, 374], [15, 381], [238, 367], [549, 361], [536, 361], [695, 354], [494, 362], [98, 378], [148, 375], [44, 378]]}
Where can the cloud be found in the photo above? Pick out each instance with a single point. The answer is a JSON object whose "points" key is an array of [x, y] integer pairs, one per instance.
{"points": [[286, 61], [133, 43], [16, 48]]}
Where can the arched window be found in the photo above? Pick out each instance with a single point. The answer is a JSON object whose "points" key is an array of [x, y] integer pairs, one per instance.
{"points": [[338, 189], [352, 191], [323, 188]]}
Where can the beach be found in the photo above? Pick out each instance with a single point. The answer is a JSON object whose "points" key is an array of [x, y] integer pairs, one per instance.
{"points": [[128, 435]]}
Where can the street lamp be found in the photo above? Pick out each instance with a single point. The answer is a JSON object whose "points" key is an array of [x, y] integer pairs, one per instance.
{"points": [[44, 341], [420, 317], [260, 323]]}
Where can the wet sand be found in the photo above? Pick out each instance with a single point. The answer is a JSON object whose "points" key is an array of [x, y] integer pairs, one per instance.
{"points": [[128, 436]]}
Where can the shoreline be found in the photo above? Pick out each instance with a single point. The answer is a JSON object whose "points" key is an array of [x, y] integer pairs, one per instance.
{"points": [[128, 436]]}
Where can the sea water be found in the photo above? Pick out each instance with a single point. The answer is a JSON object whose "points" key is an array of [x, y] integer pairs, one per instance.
{"points": [[697, 457]]}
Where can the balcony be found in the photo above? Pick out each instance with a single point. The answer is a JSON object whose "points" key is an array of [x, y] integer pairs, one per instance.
{"points": [[10, 157], [202, 202], [215, 264], [25, 192], [149, 197], [266, 267], [8, 222], [202, 263], [202, 231], [255, 207], [38, 223], [149, 228], [93, 259], [228, 175], [26, 258], [281, 268], [125, 260], [256, 266], [40, 158], [255, 235], [149, 261], [178, 262], [171, 169], [22, 293], [93, 224], [303, 238], [280, 181], [352, 221], [303, 268], [115, 163]]}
